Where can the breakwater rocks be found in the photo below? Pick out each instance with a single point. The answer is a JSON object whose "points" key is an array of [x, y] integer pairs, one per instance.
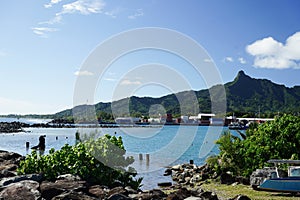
{"points": [[35, 187], [15, 127], [9, 163], [12, 127], [192, 175], [188, 179]]}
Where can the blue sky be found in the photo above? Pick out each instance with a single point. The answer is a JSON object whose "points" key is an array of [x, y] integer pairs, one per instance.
{"points": [[43, 45]]}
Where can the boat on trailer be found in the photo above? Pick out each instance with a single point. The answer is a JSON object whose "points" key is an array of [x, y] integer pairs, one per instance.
{"points": [[277, 180]]}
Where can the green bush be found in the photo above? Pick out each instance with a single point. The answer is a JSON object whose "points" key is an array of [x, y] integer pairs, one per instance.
{"points": [[99, 161], [278, 139]]}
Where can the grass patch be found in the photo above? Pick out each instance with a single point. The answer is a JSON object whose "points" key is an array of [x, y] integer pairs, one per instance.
{"points": [[229, 191]]}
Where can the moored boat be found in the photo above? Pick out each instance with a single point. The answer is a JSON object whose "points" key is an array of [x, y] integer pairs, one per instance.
{"points": [[276, 180], [236, 126]]}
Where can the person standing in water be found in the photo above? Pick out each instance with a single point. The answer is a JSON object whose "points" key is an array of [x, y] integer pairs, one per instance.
{"points": [[41, 146]]}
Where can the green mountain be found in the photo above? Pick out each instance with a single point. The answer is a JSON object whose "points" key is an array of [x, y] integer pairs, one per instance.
{"points": [[244, 96]]}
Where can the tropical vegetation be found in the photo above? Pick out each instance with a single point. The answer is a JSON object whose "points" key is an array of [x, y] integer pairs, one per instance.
{"points": [[243, 153], [98, 161], [245, 97]]}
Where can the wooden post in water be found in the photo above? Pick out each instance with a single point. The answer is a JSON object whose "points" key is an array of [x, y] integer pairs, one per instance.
{"points": [[27, 145], [140, 156], [191, 162], [147, 158]]}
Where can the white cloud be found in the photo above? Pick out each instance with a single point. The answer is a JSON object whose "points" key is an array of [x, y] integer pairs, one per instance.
{"points": [[229, 59], [269, 53], [52, 2], [208, 60], [84, 7], [242, 60], [55, 20], [138, 13], [113, 13], [43, 31], [110, 79], [83, 73], [129, 82]]}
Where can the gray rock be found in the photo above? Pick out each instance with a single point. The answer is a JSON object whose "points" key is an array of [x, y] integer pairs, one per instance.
{"points": [[22, 190], [9, 160], [168, 172], [48, 190], [98, 191], [74, 196], [177, 168], [51, 189], [130, 190], [152, 194], [182, 193], [187, 179], [10, 167], [117, 190], [33, 177], [196, 178], [118, 197], [164, 184], [227, 178], [69, 177], [7, 173], [157, 194], [208, 196], [196, 192], [193, 198]]}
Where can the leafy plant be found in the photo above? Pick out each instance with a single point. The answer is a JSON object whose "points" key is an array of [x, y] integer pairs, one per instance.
{"points": [[278, 139], [99, 161]]}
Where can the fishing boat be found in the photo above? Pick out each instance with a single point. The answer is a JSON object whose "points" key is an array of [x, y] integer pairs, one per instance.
{"points": [[276, 180], [236, 126]]}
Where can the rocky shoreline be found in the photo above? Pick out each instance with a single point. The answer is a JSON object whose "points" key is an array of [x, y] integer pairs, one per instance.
{"points": [[33, 186], [15, 127], [12, 127], [193, 175]]}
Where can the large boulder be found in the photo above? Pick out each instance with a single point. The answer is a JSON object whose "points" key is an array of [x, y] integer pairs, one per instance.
{"points": [[227, 178], [9, 162], [51, 189], [8, 170], [9, 158], [22, 190], [15, 179], [74, 196], [117, 190], [182, 193], [98, 191], [147, 195]]}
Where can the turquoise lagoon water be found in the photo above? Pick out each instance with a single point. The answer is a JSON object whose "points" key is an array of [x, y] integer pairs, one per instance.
{"points": [[166, 145]]}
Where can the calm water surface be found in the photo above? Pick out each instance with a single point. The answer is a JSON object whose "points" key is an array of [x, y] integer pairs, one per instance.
{"points": [[166, 146]]}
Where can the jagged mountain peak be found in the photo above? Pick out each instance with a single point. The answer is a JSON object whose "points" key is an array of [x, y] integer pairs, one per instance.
{"points": [[241, 77], [244, 94], [241, 73]]}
